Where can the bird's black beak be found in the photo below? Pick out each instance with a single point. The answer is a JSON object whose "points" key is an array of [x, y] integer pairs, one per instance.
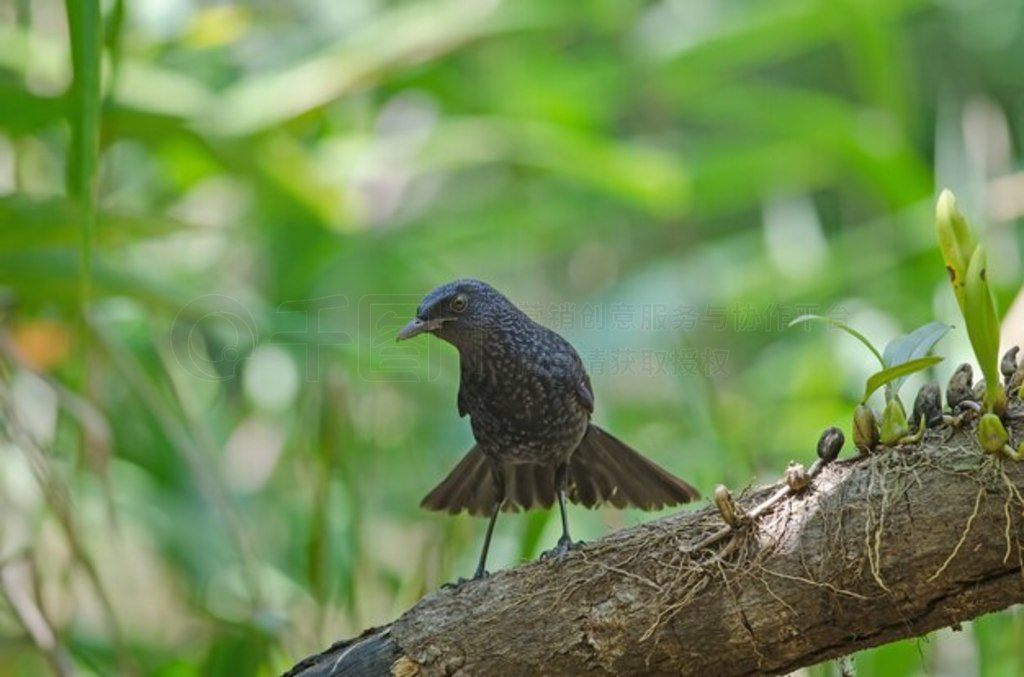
{"points": [[417, 327]]}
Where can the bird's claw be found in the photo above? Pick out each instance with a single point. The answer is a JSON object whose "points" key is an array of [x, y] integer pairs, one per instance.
{"points": [[462, 580], [560, 550]]}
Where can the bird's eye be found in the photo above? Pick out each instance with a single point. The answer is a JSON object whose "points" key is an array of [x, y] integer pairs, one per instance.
{"points": [[459, 303]]}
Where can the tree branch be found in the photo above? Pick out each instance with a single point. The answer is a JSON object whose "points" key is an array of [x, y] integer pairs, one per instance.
{"points": [[890, 546]]}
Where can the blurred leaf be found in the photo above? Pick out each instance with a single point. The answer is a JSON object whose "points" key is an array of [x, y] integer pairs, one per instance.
{"points": [[766, 34], [22, 50], [896, 659], [42, 223], [633, 172], [637, 173], [86, 29], [876, 57], [397, 38], [148, 90], [835, 128], [50, 276], [238, 650], [535, 523], [998, 643], [24, 113]]}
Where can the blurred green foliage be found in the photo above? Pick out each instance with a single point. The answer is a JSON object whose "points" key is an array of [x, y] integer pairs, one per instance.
{"points": [[214, 217]]}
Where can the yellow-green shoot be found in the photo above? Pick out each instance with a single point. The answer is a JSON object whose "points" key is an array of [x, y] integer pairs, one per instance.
{"points": [[966, 264]]}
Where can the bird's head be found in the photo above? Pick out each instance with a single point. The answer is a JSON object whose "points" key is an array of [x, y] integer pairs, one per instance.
{"points": [[459, 312]]}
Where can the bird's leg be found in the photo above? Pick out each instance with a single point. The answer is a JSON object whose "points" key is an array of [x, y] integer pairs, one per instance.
{"points": [[499, 497], [565, 540], [481, 569]]}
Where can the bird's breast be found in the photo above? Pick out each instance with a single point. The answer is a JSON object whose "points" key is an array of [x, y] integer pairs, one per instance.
{"points": [[523, 412]]}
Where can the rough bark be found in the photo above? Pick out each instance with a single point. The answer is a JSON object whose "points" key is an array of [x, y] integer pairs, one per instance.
{"points": [[890, 546]]}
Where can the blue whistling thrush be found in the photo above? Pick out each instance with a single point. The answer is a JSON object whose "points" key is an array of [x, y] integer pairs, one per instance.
{"points": [[529, 401]]}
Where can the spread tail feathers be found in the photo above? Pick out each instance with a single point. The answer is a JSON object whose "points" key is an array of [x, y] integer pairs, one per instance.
{"points": [[604, 469], [470, 487], [601, 470]]}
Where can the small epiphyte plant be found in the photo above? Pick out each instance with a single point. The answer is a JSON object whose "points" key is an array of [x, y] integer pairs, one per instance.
{"points": [[903, 356], [966, 264]]}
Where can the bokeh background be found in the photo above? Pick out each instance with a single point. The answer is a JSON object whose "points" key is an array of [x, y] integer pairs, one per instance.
{"points": [[213, 451]]}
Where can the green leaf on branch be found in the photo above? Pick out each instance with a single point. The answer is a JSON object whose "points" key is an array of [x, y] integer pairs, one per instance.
{"points": [[840, 325], [912, 346], [894, 422], [889, 374], [982, 321], [955, 241]]}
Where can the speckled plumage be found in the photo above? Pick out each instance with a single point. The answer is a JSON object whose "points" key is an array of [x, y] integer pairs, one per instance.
{"points": [[529, 401]]}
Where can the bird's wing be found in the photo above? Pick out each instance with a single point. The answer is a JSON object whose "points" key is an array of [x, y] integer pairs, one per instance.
{"points": [[461, 401], [585, 391], [578, 373]]}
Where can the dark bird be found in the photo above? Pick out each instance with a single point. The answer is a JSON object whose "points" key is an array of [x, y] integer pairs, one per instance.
{"points": [[529, 401]]}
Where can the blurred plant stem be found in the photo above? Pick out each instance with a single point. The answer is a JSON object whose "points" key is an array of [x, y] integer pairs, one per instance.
{"points": [[86, 32], [22, 597], [194, 447], [58, 498]]}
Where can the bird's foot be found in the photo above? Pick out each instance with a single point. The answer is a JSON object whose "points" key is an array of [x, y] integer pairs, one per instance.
{"points": [[560, 550], [480, 574], [462, 580]]}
